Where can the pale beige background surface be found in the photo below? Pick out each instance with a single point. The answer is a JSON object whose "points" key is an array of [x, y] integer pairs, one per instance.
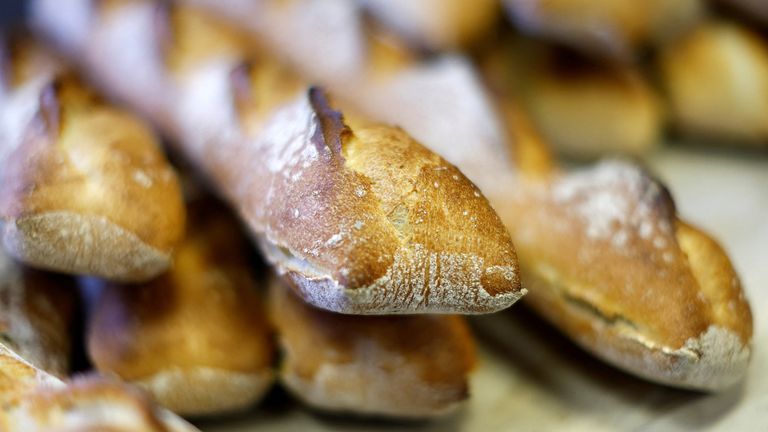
{"points": [[531, 379]]}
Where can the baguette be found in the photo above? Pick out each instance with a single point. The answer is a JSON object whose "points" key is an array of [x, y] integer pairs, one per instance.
{"points": [[590, 288], [88, 403], [195, 338], [84, 187], [584, 108], [419, 97], [35, 312], [715, 79], [609, 29], [361, 221], [401, 366], [611, 264], [438, 25]]}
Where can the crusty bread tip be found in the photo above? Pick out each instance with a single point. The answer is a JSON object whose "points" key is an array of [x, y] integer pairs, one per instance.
{"points": [[84, 187]]}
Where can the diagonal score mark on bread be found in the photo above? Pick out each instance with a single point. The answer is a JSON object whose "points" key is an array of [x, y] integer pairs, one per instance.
{"points": [[709, 352], [328, 224]]}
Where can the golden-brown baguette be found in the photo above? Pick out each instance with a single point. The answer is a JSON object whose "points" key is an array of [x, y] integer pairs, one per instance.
{"points": [[610, 263], [716, 79], [34, 358], [362, 220], [583, 108], [612, 29], [521, 184], [195, 338], [36, 310], [420, 97], [84, 187], [87, 403], [438, 25], [403, 367]]}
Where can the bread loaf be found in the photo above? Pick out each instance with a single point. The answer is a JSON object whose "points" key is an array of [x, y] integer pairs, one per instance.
{"points": [[435, 24], [361, 220], [583, 108], [715, 78], [195, 338], [610, 263], [84, 187], [402, 366], [87, 403], [611, 29], [671, 310], [35, 315]]}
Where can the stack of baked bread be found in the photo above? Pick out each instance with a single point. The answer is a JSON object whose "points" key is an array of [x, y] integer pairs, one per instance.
{"points": [[385, 199]]}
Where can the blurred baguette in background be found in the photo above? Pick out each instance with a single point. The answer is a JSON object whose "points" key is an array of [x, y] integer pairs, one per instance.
{"points": [[36, 312], [84, 186], [716, 81], [399, 366], [86, 403], [197, 337], [437, 25], [583, 108], [609, 29]]}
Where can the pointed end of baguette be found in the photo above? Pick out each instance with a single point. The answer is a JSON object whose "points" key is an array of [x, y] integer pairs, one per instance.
{"points": [[83, 244], [721, 360]]}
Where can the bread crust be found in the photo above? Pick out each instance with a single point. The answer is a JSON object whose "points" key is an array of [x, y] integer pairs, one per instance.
{"points": [[613, 29], [436, 24], [85, 187], [714, 79], [363, 220], [222, 366], [516, 172], [584, 109], [87, 403], [403, 366], [609, 263], [35, 314]]}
